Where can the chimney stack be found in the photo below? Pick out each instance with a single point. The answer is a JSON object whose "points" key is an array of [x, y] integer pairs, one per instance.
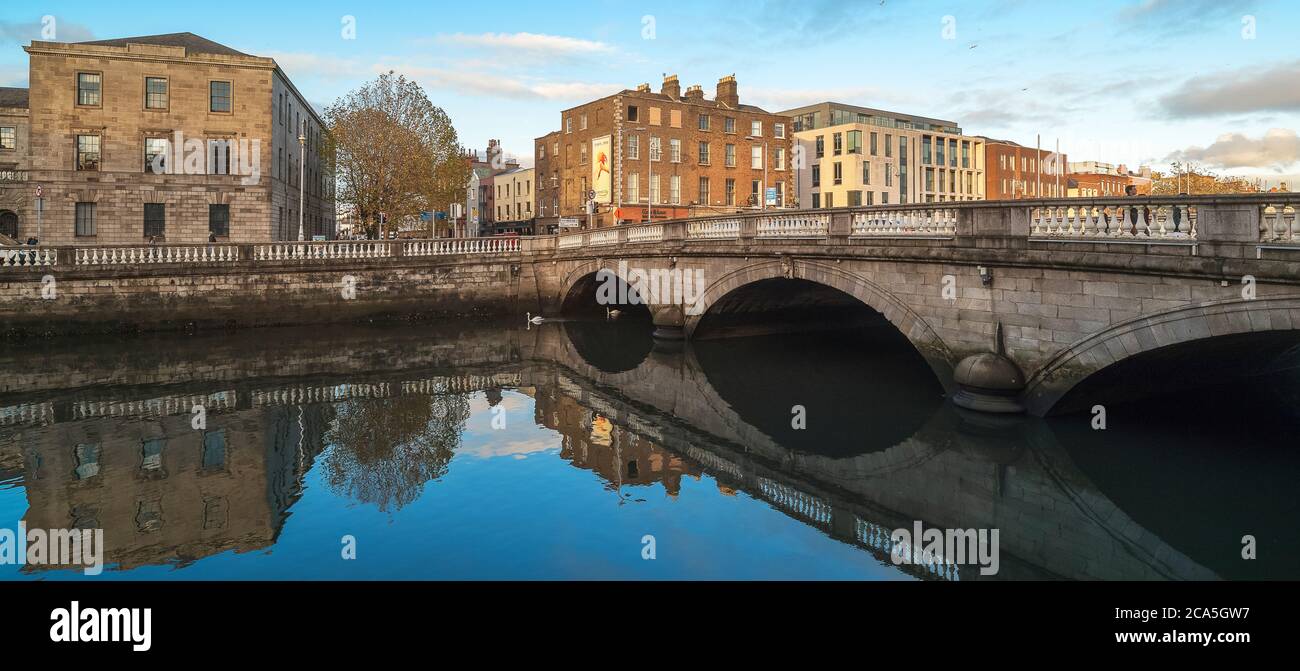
{"points": [[695, 93], [727, 92], [671, 88], [643, 88]]}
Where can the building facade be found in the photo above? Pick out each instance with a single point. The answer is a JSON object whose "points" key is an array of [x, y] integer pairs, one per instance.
{"points": [[171, 138], [1015, 172], [15, 131], [515, 194], [638, 155], [849, 156]]}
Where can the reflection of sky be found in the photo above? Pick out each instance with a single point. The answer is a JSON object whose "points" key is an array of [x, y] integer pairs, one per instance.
{"points": [[531, 518]]}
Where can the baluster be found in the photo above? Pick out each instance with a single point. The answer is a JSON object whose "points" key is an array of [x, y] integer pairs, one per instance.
{"points": [[1280, 227]]}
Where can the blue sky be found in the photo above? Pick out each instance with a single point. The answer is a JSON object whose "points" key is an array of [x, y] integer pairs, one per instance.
{"points": [[1123, 81]]}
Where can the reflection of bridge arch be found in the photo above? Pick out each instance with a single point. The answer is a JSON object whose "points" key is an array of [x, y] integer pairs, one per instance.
{"points": [[1202, 322], [922, 336]]}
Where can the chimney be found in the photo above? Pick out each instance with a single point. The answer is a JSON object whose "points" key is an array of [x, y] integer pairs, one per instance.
{"points": [[671, 87], [643, 88], [695, 93], [727, 92]]}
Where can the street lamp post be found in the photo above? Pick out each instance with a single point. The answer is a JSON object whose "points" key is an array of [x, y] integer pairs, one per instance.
{"points": [[302, 172]]}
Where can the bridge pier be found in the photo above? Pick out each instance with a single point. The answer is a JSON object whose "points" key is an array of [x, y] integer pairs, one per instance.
{"points": [[670, 323]]}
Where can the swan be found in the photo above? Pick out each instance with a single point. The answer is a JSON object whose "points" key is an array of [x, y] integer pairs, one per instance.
{"points": [[528, 316], [612, 314]]}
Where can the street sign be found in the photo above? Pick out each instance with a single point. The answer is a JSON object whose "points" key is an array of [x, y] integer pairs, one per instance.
{"points": [[771, 195], [568, 222], [40, 191]]}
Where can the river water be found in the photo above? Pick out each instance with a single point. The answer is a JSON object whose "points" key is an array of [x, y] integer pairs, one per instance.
{"points": [[578, 450]]}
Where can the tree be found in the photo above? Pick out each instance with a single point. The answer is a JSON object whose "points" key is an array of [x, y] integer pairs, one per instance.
{"points": [[394, 151], [1191, 178]]}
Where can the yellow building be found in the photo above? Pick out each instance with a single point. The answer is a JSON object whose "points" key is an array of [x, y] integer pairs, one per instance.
{"points": [[514, 203]]}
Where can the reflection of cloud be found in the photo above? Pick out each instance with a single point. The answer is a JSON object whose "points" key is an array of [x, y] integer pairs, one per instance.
{"points": [[1276, 89], [1278, 149], [531, 42], [515, 449]]}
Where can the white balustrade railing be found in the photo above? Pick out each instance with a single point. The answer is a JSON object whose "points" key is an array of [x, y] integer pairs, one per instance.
{"points": [[1136, 222], [928, 222], [604, 237], [570, 241], [794, 226], [343, 249], [649, 233], [130, 256], [1279, 224], [714, 229], [440, 247], [27, 257]]}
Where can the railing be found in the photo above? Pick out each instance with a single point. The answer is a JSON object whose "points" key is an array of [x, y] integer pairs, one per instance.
{"points": [[603, 237], [648, 233], [343, 249], [131, 256], [1279, 224], [460, 246], [714, 229], [28, 257], [1136, 222], [570, 241], [802, 225], [905, 223]]}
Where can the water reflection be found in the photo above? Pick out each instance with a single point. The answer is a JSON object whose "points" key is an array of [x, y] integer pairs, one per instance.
{"points": [[601, 439]]}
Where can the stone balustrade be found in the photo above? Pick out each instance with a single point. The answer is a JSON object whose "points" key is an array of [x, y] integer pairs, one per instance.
{"points": [[131, 256], [1140, 221], [447, 246], [901, 222], [340, 249]]}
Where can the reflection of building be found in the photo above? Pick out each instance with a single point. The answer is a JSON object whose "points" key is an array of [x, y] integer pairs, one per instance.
{"points": [[165, 492], [592, 442], [171, 137], [678, 154], [862, 156]]}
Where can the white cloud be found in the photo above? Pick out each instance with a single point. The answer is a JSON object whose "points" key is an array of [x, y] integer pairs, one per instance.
{"points": [[1276, 150], [531, 42], [495, 86], [1250, 90]]}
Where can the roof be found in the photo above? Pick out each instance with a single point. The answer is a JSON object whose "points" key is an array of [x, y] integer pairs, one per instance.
{"points": [[191, 42], [13, 97], [831, 104]]}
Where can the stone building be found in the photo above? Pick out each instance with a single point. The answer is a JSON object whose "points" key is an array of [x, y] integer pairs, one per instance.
{"points": [[663, 155], [514, 201], [854, 156], [1016, 171], [166, 137]]}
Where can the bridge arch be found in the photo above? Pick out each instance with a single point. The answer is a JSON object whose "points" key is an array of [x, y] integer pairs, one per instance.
{"points": [[578, 287], [922, 336], [1198, 323]]}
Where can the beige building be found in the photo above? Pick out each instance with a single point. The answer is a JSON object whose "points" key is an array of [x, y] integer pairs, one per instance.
{"points": [[172, 137], [15, 129], [853, 156], [515, 200]]}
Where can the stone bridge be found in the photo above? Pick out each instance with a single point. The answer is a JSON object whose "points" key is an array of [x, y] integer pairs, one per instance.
{"points": [[1065, 288]]}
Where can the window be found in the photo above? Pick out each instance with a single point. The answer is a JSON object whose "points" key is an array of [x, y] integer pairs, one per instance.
{"points": [[219, 97], [656, 116], [633, 147], [541, 151], [87, 152], [952, 153], [655, 153], [780, 158], [704, 191], [756, 158], [675, 118], [756, 128], [925, 149], [855, 199], [729, 125], [219, 157], [155, 219], [830, 200], [88, 89], [817, 200], [675, 189], [582, 122], [155, 155], [965, 154], [151, 454], [675, 150], [755, 192], [837, 143], [85, 218], [654, 190], [568, 125], [855, 141], [839, 172], [704, 122], [219, 220], [816, 176], [884, 197], [582, 154], [778, 130], [731, 156], [938, 150], [631, 113], [214, 449], [821, 146], [87, 458], [704, 153], [866, 172], [8, 138], [731, 191], [889, 175], [889, 145], [634, 186], [155, 93], [873, 144]]}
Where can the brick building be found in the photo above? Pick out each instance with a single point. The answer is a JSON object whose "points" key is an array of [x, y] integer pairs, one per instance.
{"points": [[1015, 171], [170, 137], [663, 155], [1094, 179], [863, 156]]}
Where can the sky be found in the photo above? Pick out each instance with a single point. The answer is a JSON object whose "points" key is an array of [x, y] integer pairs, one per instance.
{"points": [[1215, 82]]}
